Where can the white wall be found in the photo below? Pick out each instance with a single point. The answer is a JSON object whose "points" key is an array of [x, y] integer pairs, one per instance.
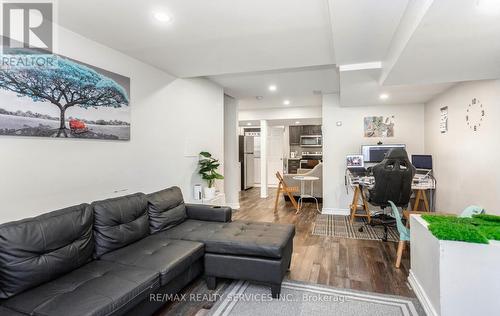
{"points": [[465, 162], [348, 138], [232, 167], [171, 119]]}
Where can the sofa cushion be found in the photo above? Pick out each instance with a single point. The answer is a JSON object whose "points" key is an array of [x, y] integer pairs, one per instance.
{"points": [[166, 256], [39, 249], [261, 239], [166, 209], [119, 221], [9, 312], [97, 288]]}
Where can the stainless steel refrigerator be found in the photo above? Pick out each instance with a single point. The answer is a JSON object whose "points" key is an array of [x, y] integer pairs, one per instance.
{"points": [[246, 154]]}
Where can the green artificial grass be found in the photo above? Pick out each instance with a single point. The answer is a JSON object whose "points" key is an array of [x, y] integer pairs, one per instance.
{"points": [[488, 218], [457, 232], [478, 229], [490, 232]]}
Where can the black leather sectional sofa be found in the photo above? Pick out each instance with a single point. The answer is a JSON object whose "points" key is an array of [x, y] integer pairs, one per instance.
{"points": [[109, 257]]}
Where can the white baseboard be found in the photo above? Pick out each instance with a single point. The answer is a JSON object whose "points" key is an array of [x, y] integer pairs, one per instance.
{"points": [[421, 295], [335, 211], [257, 185], [234, 206]]}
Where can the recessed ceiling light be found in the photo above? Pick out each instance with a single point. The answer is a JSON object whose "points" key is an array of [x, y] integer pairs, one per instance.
{"points": [[273, 87], [384, 96], [249, 124], [162, 16], [488, 7], [259, 97], [286, 102], [297, 122]]}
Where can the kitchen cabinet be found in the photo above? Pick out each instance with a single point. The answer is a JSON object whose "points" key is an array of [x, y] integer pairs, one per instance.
{"points": [[298, 130], [293, 165], [311, 130], [295, 133], [317, 130]]}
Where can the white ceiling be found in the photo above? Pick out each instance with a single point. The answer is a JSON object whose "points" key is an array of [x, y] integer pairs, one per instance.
{"points": [[208, 37], [274, 102], [294, 85], [363, 29], [359, 88], [423, 46], [453, 42], [303, 121]]}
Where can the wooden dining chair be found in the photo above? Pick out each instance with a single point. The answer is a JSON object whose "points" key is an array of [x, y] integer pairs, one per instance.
{"points": [[284, 189]]}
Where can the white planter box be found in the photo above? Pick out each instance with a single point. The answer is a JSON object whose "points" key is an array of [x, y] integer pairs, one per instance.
{"points": [[453, 278]]}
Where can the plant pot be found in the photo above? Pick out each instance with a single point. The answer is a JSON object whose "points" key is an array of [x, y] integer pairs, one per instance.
{"points": [[209, 193]]}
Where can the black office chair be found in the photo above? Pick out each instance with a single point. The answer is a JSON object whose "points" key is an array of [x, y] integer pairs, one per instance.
{"points": [[393, 179]]}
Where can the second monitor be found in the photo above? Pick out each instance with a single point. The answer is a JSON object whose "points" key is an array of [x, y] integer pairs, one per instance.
{"points": [[376, 153]]}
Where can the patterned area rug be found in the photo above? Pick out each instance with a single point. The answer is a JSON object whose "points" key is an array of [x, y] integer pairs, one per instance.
{"points": [[340, 226], [303, 299]]}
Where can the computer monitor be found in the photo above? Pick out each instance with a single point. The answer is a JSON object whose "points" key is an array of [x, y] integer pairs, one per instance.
{"points": [[376, 153], [422, 161], [355, 161]]}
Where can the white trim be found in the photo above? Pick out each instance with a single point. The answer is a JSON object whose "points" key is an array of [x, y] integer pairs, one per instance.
{"points": [[270, 185], [234, 206], [421, 295], [335, 211]]}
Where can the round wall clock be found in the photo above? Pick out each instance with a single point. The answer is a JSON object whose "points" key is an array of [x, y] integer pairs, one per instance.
{"points": [[475, 114]]}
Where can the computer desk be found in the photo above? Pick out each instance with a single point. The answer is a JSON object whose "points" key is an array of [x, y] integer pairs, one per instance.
{"points": [[420, 184]]}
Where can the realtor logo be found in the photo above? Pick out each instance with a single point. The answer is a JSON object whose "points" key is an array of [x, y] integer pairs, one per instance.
{"points": [[27, 25]]}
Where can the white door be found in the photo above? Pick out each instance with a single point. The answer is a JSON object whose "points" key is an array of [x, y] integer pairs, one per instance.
{"points": [[249, 172], [275, 150], [257, 170]]}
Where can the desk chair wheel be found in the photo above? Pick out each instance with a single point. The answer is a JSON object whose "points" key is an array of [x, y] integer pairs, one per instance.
{"points": [[361, 229]]}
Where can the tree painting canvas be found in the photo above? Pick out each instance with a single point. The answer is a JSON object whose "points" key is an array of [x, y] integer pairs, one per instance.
{"points": [[69, 100]]}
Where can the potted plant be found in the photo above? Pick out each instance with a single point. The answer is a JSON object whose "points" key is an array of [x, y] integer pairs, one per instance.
{"points": [[208, 171]]}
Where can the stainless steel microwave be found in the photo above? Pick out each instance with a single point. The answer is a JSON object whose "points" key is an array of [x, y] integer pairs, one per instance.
{"points": [[311, 141]]}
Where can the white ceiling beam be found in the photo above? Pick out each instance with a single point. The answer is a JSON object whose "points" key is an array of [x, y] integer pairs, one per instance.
{"points": [[410, 21], [361, 66]]}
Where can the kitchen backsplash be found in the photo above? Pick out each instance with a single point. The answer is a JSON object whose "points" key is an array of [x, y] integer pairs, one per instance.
{"points": [[299, 150]]}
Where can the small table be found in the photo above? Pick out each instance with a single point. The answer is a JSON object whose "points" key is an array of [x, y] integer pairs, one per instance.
{"points": [[303, 193]]}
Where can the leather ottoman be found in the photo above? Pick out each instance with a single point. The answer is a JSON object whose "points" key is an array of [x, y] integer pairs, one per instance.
{"points": [[243, 250]]}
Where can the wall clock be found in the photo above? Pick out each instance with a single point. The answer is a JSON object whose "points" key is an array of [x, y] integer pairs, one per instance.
{"points": [[475, 115]]}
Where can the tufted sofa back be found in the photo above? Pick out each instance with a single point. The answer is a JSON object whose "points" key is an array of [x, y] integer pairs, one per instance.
{"points": [[166, 209], [39, 249], [119, 222]]}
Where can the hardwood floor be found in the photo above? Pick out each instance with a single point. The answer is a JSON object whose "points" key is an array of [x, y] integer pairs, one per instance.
{"points": [[365, 265]]}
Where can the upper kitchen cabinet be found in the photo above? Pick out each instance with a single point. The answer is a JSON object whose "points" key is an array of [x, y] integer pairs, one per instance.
{"points": [[311, 130], [295, 133]]}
